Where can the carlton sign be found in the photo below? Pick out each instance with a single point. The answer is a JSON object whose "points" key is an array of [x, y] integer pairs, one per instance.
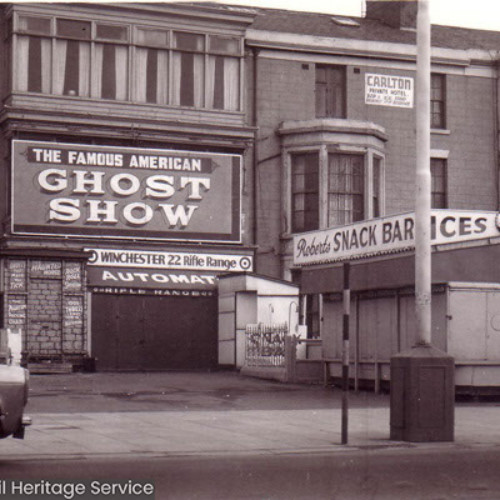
{"points": [[113, 192], [390, 235], [389, 90]]}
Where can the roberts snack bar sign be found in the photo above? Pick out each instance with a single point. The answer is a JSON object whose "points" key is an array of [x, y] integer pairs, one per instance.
{"points": [[125, 192], [390, 235]]}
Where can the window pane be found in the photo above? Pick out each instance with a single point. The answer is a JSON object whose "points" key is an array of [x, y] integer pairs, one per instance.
{"points": [[305, 192], [438, 101], [151, 75], [110, 72], [72, 68], [152, 37], [188, 79], [345, 189], [73, 29], [37, 25], [223, 83], [438, 183], [330, 91], [112, 32], [189, 41], [33, 64], [224, 45]]}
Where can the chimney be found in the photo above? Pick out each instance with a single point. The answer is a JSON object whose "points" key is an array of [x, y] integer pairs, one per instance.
{"points": [[395, 13]]}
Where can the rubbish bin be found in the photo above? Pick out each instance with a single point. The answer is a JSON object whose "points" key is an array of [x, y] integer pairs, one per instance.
{"points": [[422, 395]]}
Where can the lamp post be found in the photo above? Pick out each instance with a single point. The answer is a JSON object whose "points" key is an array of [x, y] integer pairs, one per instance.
{"points": [[422, 379], [423, 292]]}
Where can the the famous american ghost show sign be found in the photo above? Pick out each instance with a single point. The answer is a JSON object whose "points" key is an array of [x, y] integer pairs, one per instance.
{"points": [[125, 192], [390, 234]]}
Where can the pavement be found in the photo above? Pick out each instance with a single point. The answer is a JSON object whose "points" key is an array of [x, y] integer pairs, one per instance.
{"points": [[218, 413]]}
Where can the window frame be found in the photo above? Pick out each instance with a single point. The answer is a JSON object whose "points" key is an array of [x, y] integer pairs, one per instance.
{"points": [[438, 118], [369, 153], [330, 111], [443, 164], [235, 50], [305, 192]]}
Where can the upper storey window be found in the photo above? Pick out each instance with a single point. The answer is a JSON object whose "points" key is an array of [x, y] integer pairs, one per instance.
{"points": [[333, 190], [71, 58], [127, 63], [330, 91], [438, 101]]}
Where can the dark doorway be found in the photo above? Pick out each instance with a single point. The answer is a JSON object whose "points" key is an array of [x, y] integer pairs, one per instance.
{"points": [[148, 332]]}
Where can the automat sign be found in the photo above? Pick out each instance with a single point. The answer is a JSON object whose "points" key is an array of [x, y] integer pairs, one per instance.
{"points": [[125, 192], [390, 234]]}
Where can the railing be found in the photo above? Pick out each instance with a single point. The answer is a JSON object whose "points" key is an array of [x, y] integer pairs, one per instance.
{"points": [[265, 344]]}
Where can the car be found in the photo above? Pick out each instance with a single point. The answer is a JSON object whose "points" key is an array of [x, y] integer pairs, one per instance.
{"points": [[14, 382]]}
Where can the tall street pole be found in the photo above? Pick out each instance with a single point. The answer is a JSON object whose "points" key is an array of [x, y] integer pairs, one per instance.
{"points": [[423, 178], [422, 379]]}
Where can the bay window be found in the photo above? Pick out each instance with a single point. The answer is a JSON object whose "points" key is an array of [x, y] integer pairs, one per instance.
{"points": [[328, 188], [143, 64]]}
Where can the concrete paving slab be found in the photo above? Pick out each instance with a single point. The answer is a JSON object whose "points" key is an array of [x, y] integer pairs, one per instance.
{"points": [[186, 413]]}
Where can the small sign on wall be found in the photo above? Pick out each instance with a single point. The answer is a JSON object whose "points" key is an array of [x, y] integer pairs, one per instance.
{"points": [[389, 90], [17, 275], [16, 311]]}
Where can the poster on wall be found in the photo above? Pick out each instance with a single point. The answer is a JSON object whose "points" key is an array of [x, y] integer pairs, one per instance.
{"points": [[16, 311], [389, 90], [100, 191], [17, 275]]}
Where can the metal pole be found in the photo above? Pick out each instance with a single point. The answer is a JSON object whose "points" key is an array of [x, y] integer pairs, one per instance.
{"points": [[423, 179], [345, 352]]}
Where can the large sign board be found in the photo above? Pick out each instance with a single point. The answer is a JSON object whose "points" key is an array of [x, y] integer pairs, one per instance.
{"points": [[89, 191], [389, 90], [390, 235]]}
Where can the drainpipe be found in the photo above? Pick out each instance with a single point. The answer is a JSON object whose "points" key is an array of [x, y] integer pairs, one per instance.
{"points": [[255, 120], [497, 129]]}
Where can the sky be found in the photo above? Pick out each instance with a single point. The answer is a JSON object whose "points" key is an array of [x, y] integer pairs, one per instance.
{"points": [[479, 14]]}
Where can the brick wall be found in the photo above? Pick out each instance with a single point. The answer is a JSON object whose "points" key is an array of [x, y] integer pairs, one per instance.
{"points": [[284, 93], [44, 330], [46, 299]]}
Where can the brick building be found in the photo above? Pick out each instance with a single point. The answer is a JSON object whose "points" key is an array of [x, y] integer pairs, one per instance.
{"points": [[148, 148]]}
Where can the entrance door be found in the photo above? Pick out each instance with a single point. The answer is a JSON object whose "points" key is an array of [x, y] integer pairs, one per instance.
{"points": [[131, 332]]}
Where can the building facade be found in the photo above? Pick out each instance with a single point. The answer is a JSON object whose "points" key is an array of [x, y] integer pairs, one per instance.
{"points": [[124, 138], [149, 148]]}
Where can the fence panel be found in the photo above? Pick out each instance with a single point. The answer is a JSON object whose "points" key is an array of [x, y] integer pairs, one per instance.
{"points": [[265, 344]]}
